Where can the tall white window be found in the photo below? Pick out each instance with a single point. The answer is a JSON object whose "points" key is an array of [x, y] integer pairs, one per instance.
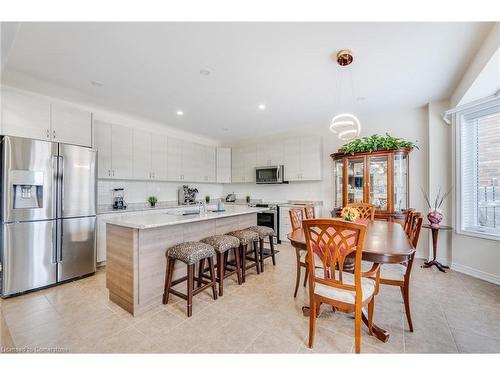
{"points": [[478, 136]]}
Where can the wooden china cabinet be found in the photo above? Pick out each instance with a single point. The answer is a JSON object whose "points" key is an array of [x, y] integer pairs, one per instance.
{"points": [[378, 177]]}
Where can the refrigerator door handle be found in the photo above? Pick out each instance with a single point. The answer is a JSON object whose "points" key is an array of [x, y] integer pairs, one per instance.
{"points": [[60, 238], [61, 186], [55, 242], [55, 183]]}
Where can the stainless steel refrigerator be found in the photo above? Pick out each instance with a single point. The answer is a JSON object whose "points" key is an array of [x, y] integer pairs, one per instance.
{"points": [[48, 213]]}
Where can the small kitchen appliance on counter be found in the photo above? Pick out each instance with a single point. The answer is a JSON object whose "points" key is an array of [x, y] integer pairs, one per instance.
{"points": [[187, 195], [118, 199], [231, 197]]}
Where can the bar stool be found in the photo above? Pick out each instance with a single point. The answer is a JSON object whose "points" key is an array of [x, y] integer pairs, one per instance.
{"points": [[247, 237], [264, 232], [190, 253], [223, 244]]}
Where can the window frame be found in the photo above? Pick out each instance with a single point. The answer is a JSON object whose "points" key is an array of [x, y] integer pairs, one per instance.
{"points": [[459, 119]]}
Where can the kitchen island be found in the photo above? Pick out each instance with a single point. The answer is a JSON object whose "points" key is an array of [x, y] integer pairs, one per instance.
{"points": [[136, 245]]}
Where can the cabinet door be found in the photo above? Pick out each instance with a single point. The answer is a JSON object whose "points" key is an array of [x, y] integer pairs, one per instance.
{"points": [[174, 159], [141, 155], [190, 162], [378, 182], [210, 163], [249, 154], [310, 158], [224, 165], [25, 116], [102, 144], [356, 180], [291, 159], [122, 144], [237, 164], [159, 157], [71, 125]]}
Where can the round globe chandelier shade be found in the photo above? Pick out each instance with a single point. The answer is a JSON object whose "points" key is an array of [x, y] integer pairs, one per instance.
{"points": [[346, 126]]}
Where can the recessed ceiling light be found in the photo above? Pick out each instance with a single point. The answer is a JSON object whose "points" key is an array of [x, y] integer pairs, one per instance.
{"points": [[96, 83], [179, 113], [262, 107], [205, 72]]}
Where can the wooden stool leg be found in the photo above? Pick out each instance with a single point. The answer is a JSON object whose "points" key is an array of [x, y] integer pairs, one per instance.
{"points": [[243, 257], [238, 266], [256, 255], [201, 268], [212, 277], [261, 250], [168, 279], [220, 270], [271, 245], [190, 285]]}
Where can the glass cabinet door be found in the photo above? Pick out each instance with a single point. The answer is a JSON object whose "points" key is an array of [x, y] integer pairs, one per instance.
{"points": [[378, 183], [400, 182], [355, 182], [339, 171]]}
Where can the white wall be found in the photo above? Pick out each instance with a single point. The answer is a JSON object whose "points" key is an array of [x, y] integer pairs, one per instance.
{"points": [[410, 124]]}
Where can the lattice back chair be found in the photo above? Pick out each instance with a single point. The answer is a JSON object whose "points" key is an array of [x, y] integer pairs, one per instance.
{"points": [[296, 216], [416, 225], [309, 211], [330, 242], [366, 210], [408, 220]]}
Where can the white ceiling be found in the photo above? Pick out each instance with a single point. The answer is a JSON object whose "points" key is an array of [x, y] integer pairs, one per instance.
{"points": [[153, 69]]}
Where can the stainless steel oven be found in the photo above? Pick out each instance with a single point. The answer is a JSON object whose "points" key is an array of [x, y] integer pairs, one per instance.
{"points": [[270, 175], [269, 218]]}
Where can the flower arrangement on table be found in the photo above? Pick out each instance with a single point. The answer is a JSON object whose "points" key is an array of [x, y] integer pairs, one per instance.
{"points": [[349, 214]]}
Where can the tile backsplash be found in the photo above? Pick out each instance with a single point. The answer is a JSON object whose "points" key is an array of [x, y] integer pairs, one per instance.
{"points": [[139, 191]]}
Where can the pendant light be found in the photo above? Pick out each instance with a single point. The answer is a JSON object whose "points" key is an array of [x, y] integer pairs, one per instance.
{"points": [[345, 125]]}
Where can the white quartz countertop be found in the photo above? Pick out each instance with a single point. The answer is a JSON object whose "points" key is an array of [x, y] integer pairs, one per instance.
{"points": [[161, 219]]}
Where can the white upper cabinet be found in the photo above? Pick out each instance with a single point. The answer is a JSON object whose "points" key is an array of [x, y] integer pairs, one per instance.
{"points": [[223, 165], [311, 152], [141, 155], [25, 115], [291, 160], [122, 144], [102, 134], [210, 164], [159, 157], [71, 125], [31, 116], [269, 153], [190, 162], [244, 161], [174, 159]]}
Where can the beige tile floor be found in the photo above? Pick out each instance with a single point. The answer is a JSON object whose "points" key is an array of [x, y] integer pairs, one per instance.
{"points": [[451, 313]]}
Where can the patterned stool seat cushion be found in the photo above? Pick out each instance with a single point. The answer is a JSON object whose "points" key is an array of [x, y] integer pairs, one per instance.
{"points": [[262, 231], [222, 242], [191, 252], [245, 236]]}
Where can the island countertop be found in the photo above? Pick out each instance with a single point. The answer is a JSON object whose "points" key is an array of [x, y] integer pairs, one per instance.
{"points": [[154, 220]]}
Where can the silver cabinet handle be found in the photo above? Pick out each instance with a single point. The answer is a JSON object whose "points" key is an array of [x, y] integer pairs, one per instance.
{"points": [[109, 172], [113, 173], [54, 134], [48, 133]]}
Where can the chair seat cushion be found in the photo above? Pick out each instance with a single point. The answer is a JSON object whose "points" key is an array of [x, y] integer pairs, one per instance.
{"points": [[191, 252], [317, 260], [262, 231], [342, 295], [245, 236], [222, 242]]}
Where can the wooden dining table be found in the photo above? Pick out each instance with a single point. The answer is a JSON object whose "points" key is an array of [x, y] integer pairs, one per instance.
{"points": [[385, 242]]}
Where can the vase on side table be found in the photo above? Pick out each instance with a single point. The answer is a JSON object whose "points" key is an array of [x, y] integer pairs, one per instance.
{"points": [[435, 218]]}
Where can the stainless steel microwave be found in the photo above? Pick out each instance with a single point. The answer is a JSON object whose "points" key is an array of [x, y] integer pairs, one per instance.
{"points": [[270, 175]]}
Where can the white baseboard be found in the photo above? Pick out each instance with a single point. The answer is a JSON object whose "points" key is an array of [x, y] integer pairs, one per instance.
{"points": [[476, 273]]}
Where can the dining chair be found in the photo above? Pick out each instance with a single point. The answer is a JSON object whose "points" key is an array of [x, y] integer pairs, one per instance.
{"points": [[400, 274], [408, 219], [330, 242], [309, 211], [296, 216], [366, 210]]}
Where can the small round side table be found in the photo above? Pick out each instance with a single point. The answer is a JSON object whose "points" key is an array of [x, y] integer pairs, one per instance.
{"points": [[435, 232]]}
